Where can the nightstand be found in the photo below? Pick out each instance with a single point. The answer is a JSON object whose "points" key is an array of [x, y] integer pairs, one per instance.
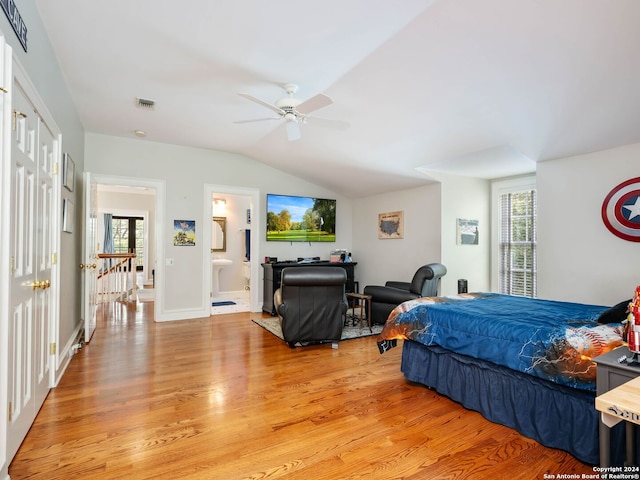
{"points": [[612, 372]]}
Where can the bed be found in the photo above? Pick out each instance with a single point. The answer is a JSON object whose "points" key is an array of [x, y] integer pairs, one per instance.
{"points": [[521, 362]]}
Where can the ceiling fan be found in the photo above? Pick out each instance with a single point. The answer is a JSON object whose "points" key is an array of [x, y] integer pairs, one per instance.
{"points": [[294, 112]]}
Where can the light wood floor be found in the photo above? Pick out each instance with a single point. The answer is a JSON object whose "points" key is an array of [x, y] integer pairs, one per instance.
{"points": [[221, 398]]}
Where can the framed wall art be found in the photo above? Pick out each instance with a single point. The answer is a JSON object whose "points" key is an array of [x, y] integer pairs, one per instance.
{"points": [[67, 215], [184, 233], [391, 225], [466, 231], [68, 172]]}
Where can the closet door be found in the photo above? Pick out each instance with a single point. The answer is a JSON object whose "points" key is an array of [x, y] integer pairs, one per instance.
{"points": [[44, 254], [5, 239], [30, 276]]}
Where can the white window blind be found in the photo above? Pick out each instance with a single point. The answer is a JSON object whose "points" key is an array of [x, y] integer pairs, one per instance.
{"points": [[517, 243]]}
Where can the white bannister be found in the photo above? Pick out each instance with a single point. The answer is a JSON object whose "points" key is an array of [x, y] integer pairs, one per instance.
{"points": [[117, 277]]}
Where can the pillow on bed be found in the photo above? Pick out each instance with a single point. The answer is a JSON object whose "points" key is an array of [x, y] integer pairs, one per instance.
{"points": [[615, 314]]}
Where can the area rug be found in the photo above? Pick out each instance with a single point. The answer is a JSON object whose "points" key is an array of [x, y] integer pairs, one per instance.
{"points": [[272, 325]]}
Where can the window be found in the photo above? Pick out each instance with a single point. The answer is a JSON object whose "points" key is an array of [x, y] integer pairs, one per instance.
{"points": [[128, 236], [516, 242]]}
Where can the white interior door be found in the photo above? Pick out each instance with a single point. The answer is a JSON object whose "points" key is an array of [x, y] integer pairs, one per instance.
{"points": [[5, 240], [46, 238], [90, 249], [30, 277]]}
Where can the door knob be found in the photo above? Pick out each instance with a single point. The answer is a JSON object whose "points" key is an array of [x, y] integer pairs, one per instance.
{"points": [[35, 285], [81, 266], [45, 284]]}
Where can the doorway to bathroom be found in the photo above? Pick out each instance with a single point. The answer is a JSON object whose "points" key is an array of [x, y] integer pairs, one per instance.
{"points": [[233, 249]]}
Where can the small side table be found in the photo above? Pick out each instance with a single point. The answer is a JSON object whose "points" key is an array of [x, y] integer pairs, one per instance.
{"points": [[613, 372], [621, 403], [361, 298]]}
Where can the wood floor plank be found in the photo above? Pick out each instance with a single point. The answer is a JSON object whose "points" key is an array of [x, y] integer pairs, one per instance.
{"points": [[223, 398]]}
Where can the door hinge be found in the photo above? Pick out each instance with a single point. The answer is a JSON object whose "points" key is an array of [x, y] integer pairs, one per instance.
{"points": [[12, 264], [55, 168], [10, 412], [54, 258], [52, 348]]}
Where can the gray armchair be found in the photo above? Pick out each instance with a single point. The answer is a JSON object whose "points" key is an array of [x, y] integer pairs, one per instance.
{"points": [[385, 298], [311, 304]]}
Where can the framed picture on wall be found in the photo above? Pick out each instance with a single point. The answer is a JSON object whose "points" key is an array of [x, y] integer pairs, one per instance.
{"points": [[391, 225], [184, 233], [68, 172], [67, 215], [467, 232]]}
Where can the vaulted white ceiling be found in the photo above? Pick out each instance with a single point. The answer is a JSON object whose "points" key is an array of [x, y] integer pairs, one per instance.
{"points": [[483, 88]]}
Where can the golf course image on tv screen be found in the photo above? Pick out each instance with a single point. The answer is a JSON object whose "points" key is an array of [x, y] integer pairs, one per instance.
{"points": [[300, 219]]}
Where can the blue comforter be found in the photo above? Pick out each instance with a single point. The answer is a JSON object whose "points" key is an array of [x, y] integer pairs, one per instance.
{"points": [[548, 339]]}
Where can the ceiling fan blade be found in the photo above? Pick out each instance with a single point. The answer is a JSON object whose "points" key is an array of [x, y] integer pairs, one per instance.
{"points": [[263, 103], [326, 122], [258, 120], [314, 103], [293, 130]]}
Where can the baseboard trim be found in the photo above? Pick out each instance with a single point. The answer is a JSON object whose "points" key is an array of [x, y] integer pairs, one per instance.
{"points": [[64, 355]]}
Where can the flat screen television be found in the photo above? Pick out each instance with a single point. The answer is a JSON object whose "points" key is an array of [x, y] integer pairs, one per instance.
{"points": [[300, 219]]}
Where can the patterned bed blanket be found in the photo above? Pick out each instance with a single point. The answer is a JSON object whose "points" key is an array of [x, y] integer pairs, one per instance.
{"points": [[552, 340]]}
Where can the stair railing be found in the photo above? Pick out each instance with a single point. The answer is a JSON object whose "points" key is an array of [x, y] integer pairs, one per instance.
{"points": [[117, 277]]}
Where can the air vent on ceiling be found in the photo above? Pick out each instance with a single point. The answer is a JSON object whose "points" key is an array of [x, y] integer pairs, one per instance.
{"points": [[145, 103]]}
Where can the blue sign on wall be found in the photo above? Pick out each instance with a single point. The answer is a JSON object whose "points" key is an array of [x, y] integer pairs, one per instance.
{"points": [[11, 11]]}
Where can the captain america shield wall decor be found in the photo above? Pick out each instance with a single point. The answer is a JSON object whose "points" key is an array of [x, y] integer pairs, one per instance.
{"points": [[621, 210]]}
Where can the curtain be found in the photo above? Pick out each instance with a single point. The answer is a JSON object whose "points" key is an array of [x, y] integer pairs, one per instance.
{"points": [[247, 243], [108, 237]]}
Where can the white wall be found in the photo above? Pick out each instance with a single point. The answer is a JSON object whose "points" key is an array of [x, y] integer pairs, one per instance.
{"points": [[42, 68], [430, 214], [467, 198], [396, 259], [185, 172], [578, 258]]}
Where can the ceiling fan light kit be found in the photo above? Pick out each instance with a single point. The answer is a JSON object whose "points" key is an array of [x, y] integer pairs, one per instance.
{"points": [[294, 111]]}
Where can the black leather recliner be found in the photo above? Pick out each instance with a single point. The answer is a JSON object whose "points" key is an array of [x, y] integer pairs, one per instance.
{"points": [[385, 298], [311, 304]]}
